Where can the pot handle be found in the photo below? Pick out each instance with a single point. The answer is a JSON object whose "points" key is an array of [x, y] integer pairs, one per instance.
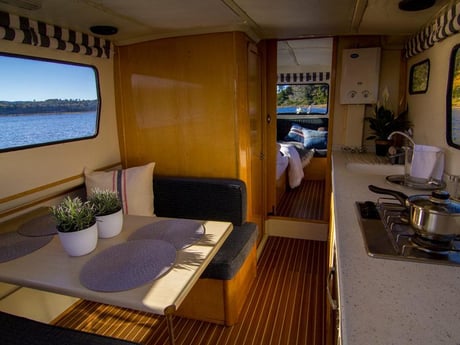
{"points": [[400, 196]]}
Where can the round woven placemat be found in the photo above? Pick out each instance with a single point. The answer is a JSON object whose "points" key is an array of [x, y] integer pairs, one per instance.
{"points": [[44, 225], [14, 245], [128, 265], [182, 233]]}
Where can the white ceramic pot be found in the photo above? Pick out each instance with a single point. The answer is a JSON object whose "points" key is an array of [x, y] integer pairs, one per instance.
{"points": [[110, 225], [78, 243]]}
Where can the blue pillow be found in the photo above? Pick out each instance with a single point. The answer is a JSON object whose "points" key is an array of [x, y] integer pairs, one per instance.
{"points": [[295, 134], [314, 139]]}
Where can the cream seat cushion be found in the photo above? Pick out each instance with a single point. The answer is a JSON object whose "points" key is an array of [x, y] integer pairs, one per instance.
{"points": [[134, 186]]}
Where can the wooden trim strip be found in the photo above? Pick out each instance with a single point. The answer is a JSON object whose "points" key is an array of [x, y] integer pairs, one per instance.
{"points": [[50, 185], [39, 189], [43, 188]]}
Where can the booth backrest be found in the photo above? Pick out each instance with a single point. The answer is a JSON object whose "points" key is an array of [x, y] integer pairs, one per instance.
{"points": [[200, 198]]}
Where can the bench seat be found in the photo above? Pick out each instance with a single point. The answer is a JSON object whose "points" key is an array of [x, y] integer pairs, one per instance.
{"points": [[221, 291]]}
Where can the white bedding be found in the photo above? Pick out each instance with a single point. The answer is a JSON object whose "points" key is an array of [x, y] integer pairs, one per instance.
{"points": [[282, 163], [296, 164]]}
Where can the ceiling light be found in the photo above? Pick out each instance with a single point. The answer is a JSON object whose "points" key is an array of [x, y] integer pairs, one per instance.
{"points": [[104, 30], [415, 5]]}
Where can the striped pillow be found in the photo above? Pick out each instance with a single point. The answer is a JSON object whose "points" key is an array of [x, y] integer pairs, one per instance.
{"points": [[295, 134], [134, 186]]}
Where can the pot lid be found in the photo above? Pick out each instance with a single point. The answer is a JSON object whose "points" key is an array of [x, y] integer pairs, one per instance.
{"points": [[438, 201]]}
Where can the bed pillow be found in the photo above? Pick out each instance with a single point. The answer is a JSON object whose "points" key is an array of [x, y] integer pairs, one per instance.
{"points": [[295, 134], [134, 186], [314, 139]]}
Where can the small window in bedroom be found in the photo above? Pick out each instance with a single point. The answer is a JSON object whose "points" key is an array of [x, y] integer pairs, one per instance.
{"points": [[302, 99], [44, 102]]}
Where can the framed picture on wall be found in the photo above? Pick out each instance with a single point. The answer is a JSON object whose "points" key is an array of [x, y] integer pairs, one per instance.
{"points": [[419, 77]]}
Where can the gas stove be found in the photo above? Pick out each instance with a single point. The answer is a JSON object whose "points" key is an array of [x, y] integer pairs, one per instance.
{"points": [[387, 234]]}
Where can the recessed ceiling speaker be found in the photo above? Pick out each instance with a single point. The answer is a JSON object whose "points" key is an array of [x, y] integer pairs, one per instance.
{"points": [[415, 5], [104, 30]]}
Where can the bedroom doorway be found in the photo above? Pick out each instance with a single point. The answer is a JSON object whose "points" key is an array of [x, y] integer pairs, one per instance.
{"points": [[303, 97]]}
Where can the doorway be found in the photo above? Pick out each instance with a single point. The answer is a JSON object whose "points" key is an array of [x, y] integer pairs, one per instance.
{"points": [[303, 91]]}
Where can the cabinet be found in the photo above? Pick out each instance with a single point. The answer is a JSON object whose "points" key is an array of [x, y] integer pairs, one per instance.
{"points": [[333, 336], [192, 105]]}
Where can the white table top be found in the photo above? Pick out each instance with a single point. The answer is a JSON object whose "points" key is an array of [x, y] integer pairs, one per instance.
{"points": [[387, 301], [52, 269]]}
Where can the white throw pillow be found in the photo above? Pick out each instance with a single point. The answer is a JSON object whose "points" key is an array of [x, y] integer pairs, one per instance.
{"points": [[134, 186]]}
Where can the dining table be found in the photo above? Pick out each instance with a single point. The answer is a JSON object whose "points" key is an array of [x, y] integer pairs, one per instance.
{"points": [[50, 268]]}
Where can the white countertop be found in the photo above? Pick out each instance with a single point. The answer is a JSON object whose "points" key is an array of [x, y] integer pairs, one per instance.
{"points": [[387, 301]]}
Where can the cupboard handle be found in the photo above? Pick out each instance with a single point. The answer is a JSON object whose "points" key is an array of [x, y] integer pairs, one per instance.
{"points": [[332, 301]]}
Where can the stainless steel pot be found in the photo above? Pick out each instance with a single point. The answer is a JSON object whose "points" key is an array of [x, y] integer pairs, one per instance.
{"points": [[434, 216]]}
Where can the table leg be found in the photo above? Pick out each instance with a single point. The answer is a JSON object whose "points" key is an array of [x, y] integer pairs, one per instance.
{"points": [[169, 322]]}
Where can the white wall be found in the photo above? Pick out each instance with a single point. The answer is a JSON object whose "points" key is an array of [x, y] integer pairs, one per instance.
{"points": [[428, 111], [31, 169], [349, 126]]}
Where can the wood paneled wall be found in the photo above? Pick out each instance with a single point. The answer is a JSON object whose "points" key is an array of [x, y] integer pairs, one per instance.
{"points": [[180, 104], [188, 104]]}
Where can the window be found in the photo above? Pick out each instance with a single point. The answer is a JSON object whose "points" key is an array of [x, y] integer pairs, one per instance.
{"points": [[302, 99], [44, 102], [453, 100]]}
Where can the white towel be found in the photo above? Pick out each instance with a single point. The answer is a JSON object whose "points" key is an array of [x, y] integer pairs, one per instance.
{"points": [[427, 162]]}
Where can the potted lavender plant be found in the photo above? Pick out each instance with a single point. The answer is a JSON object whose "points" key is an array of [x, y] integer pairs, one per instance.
{"points": [[108, 210], [76, 225]]}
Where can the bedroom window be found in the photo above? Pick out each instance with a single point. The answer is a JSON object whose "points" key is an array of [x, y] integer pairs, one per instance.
{"points": [[44, 102], [302, 99]]}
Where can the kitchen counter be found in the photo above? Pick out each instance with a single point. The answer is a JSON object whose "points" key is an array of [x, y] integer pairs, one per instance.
{"points": [[386, 301]]}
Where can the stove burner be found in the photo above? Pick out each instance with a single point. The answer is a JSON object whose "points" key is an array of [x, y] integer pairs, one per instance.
{"points": [[431, 246], [388, 234]]}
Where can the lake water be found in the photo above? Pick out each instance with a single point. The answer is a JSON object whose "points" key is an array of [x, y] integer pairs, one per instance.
{"points": [[25, 130], [302, 110]]}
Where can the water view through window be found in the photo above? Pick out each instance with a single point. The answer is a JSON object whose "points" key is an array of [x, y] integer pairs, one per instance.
{"points": [[44, 102], [302, 99]]}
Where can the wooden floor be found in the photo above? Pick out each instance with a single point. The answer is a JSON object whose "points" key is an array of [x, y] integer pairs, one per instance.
{"points": [[304, 202], [286, 306]]}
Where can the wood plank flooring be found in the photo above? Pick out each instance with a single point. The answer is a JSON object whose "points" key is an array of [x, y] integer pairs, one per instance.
{"points": [[286, 306], [304, 202]]}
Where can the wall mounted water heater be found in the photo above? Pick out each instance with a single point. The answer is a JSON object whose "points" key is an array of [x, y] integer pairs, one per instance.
{"points": [[360, 76]]}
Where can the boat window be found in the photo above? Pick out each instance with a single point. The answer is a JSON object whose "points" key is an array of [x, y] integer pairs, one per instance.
{"points": [[302, 99], [44, 102], [453, 100]]}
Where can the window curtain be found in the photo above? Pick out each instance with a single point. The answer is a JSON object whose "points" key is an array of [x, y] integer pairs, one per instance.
{"points": [[23, 30], [303, 78], [445, 25]]}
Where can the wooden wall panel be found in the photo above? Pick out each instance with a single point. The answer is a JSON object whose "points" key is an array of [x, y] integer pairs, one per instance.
{"points": [[177, 105], [185, 104]]}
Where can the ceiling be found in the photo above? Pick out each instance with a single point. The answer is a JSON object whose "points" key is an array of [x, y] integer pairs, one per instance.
{"points": [[304, 55], [141, 20]]}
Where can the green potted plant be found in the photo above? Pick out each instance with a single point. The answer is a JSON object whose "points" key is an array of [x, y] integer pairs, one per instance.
{"points": [[76, 225], [383, 123], [108, 209]]}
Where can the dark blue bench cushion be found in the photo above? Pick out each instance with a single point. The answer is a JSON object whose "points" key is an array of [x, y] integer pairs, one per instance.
{"points": [[19, 331], [210, 199], [233, 253]]}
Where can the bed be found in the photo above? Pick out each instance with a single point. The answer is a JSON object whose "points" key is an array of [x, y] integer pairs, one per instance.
{"points": [[299, 143], [292, 160]]}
